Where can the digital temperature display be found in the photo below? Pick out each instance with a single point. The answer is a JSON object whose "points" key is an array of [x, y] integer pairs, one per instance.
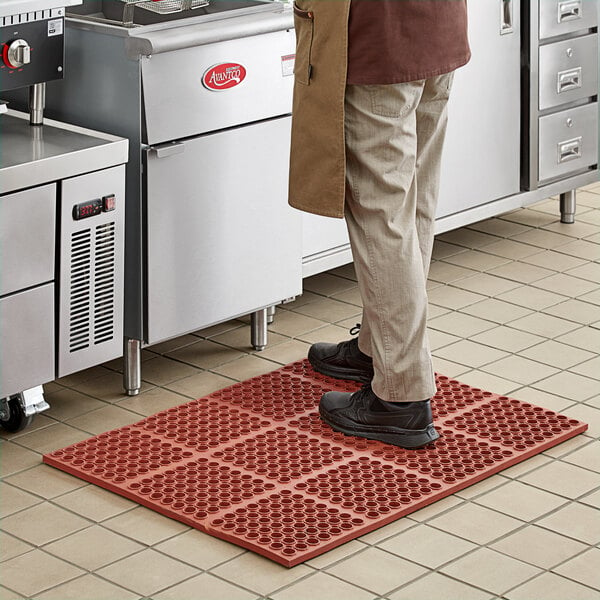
{"points": [[87, 209]]}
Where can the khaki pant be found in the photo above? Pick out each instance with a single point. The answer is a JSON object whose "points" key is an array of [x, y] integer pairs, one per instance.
{"points": [[394, 139]]}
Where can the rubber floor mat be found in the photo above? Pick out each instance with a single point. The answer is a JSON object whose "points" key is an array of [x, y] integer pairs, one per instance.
{"points": [[253, 463]]}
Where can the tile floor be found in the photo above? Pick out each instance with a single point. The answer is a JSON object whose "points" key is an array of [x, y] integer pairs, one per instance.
{"points": [[515, 308]]}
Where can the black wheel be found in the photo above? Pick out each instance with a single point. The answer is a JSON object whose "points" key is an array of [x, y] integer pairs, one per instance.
{"points": [[13, 416]]}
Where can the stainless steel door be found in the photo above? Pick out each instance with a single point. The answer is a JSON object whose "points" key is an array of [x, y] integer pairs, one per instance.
{"points": [[481, 155], [221, 239]]}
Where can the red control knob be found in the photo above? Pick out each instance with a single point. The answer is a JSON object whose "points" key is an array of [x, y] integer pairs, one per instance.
{"points": [[16, 54]]}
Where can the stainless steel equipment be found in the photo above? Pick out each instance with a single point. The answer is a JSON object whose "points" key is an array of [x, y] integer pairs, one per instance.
{"points": [[61, 224], [204, 96]]}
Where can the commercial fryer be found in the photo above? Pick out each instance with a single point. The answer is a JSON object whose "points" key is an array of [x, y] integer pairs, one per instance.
{"points": [[204, 96], [61, 223]]}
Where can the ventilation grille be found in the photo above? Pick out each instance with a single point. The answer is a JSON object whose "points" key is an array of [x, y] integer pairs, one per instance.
{"points": [[92, 301]]}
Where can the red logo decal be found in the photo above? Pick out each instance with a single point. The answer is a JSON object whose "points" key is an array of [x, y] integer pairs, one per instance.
{"points": [[224, 76]]}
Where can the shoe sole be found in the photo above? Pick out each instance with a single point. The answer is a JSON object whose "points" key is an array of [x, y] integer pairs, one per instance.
{"points": [[396, 436], [339, 372]]}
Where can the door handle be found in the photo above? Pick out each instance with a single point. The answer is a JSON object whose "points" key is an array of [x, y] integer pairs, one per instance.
{"points": [[569, 10], [506, 17], [569, 150], [168, 149], [568, 80]]}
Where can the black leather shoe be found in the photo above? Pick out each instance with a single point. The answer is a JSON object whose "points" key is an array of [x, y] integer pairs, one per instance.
{"points": [[404, 424], [342, 361]]}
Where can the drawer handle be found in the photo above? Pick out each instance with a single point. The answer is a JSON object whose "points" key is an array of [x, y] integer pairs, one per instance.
{"points": [[569, 11], [569, 150], [506, 17], [568, 80]]}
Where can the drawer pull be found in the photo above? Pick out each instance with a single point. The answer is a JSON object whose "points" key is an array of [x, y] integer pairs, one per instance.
{"points": [[506, 17], [569, 11], [568, 80], [569, 150]]}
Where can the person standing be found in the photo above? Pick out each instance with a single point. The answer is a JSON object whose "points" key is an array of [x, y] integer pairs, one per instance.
{"points": [[372, 82]]}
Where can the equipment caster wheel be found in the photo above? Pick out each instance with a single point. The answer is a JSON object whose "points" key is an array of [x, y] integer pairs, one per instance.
{"points": [[12, 414]]}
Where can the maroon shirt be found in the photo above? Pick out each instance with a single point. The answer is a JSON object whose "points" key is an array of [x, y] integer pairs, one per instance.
{"points": [[393, 41]]}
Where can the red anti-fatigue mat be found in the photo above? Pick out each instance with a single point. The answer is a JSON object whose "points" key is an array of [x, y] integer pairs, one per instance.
{"points": [[253, 464]]}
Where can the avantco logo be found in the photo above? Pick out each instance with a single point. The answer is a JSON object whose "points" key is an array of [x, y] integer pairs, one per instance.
{"points": [[223, 76]]}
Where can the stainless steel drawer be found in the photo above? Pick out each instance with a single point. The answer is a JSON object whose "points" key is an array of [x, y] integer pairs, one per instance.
{"points": [[568, 141], [558, 17], [27, 225], [27, 339], [568, 71]]}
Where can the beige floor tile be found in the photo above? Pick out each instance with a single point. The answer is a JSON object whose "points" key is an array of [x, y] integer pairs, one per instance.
{"points": [[444, 505], [88, 587], [532, 298], [14, 458], [152, 401], [43, 523], [147, 572], [557, 354], [470, 353], [499, 227], [327, 309], [512, 250], [173, 344], [348, 271], [79, 377], [439, 587], [485, 485], [564, 284], [199, 549], [568, 447], [104, 419], [579, 229], [6, 594], [476, 260], [590, 368], [526, 466], [240, 338], [488, 382], [67, 403], [487, 285], [587, 414], [452, 297], [376, 571], [145, 526], [448, 368], [35, 571], [332, 334], [507, 338], [246, 368], [39, 422], [590, 271], [587, 338], [468, 238], [434, 311], [108, 387], [287, 352], [555, 261], [530, 217], [294, 324], [461, 325], [93, 548], [206, 354], [581, 249], [570, 385], [593, 218], [337, 554], [200, 385], [13, 499], [592, 499], [439, 339], [549, 586], [162, 370], [564, 479], [544, 325], [544, 399], [11, 546], [45, 481], [219, 328], [95, 503], [521, 272], [326, 284], [205, 586], [387, 531], [259, 574], [427, 546], [444, 272], [538, 547], [542, 238], [521, 501], [52, 438], [587, 457], [443, 249], [522, 370], [496, 310], [583, 568], [476, 523], [322, 585], [351, 296], [490, 570]]}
